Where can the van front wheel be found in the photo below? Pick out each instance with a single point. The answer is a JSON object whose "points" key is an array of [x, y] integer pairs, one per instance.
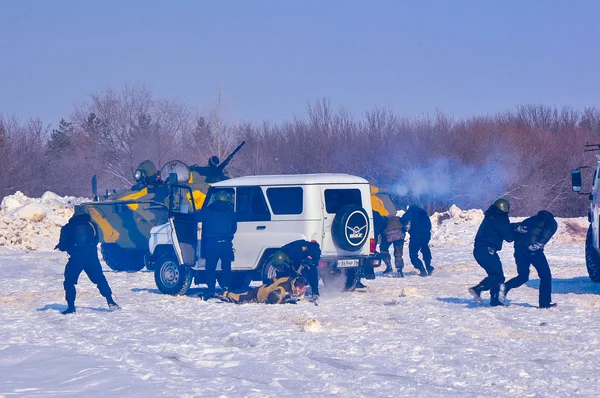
{"points": [[170, 277]]}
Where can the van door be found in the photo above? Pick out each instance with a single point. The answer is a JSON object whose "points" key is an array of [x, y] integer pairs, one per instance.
{"points": [[184, 224], [254, 218], [334, 197]]}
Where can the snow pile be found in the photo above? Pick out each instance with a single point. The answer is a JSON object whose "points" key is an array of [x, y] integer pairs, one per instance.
{"points": [[34, 223], [455, 226], [458, 227]]}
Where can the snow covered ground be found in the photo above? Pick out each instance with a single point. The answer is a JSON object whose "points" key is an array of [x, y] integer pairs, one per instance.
{"points": [[406, 337]]}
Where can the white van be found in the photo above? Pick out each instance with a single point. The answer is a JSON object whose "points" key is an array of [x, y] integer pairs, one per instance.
{"points": [[332, 209]]}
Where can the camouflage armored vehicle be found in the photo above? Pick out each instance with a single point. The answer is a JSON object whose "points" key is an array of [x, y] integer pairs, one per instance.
{"points": [[125, 218]]}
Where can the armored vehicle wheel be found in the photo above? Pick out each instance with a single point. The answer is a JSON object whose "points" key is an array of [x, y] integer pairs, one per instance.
{"points": [[592, 258], [170, 277], [119, 259]]}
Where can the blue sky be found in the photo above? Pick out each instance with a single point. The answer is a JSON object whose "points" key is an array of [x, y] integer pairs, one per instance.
{"points": [[271, 57]]}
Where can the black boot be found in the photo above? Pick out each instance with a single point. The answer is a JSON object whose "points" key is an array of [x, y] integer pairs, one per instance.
{"points": [[495, 299], [388, 269], [430, 269], [70, 309], [475, 291], [503, 292], [112, 305], [550, 305]]}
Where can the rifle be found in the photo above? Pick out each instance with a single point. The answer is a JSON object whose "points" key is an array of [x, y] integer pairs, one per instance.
{"points": [[592, 147], [225, 162]]}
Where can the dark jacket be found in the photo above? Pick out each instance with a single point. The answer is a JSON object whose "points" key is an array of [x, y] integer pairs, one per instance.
{"points": [[79, 236], [416, 221], [219, 221], [494, 229], [539, 229], [379, 223], [299, 250]]}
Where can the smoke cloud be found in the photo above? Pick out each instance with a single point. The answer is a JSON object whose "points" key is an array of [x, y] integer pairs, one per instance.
{"points": [[449, 181]]}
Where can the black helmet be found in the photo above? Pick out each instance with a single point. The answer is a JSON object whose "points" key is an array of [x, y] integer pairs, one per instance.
{"points": [[222, 196], [546, 214], [214, 161], [503, 205]]}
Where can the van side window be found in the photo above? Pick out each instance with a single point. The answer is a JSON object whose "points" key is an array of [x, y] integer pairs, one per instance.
{"points": [[251, 205], [286, 200], [335, 199]]}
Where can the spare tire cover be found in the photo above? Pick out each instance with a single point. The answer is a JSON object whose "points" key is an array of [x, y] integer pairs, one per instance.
{"points": [[350, 228]]}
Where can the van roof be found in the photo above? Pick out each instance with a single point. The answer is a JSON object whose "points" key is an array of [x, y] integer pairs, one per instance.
{"points": [[292, 179]]}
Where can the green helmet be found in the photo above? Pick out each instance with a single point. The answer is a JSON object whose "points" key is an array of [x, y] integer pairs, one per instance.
{"points": [[503, 205], [146, 171], [222, 196], [281, 259]]}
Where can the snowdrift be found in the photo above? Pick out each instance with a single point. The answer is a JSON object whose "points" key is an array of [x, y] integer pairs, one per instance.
{"points": [[33, 224], [458, 227]]}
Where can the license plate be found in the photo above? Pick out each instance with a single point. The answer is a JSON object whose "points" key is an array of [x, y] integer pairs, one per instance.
{"points": [[347, 263]]}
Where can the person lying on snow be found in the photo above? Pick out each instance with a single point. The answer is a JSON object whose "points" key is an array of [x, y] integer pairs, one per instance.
{"points": [[297, 258], [284, 290]]}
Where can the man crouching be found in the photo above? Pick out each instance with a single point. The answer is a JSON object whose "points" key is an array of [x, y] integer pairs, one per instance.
{"points": [[282, 291]]}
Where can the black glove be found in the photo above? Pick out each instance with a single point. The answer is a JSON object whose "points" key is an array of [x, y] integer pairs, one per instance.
{"points": [[406, 227], [535, 247], [522, 229], [306, 263], [288, 299]]}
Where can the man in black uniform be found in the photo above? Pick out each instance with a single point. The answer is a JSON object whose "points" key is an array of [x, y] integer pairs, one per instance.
{"points": [[417, 223], [79, 238], [297, 258], [530, 237], [219, 225], [494, 229]]}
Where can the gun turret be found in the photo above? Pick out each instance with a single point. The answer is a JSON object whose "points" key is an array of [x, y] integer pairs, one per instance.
{"points": [[224, 163]]}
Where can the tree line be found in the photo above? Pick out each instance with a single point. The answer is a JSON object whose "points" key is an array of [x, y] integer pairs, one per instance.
{"points": [[524, 155]]}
